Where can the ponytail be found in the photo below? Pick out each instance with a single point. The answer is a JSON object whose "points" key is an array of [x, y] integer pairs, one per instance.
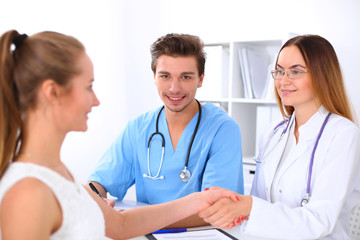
{"points": [[10, 116], [45, 55]]}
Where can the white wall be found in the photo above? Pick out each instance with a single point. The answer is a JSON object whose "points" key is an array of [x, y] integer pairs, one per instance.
{"points": [[118, 34]]}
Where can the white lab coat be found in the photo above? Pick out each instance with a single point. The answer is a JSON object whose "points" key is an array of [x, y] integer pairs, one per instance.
{"points": [[335, 184]]}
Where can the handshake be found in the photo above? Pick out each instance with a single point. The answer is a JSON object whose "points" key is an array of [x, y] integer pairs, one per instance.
{"points": [[223, 208]]}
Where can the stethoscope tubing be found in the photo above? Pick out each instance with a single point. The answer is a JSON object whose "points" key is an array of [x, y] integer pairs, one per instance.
{"points": [[313, 153], [162, 150], [265, 146], [193, 136], [184, 174], [305, 200]]}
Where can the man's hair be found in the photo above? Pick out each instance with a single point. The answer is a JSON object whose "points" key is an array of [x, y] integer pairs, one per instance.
{"points": [[175, 45]]}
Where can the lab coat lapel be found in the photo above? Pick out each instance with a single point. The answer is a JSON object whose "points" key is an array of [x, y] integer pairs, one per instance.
{"points": [[273, 159], [307, 140], [293, 157]]}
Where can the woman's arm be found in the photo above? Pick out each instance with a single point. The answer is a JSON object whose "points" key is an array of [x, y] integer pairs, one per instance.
{"points": [[188, 222], [144, 220], [336, 167], [29, 211]]}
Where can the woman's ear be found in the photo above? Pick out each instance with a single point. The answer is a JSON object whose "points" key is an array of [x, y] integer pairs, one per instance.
{"points": [[50, 90]]}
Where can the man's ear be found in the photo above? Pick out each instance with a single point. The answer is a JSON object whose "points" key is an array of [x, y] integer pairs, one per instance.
{"points": [[50, 90], [201, 80]]}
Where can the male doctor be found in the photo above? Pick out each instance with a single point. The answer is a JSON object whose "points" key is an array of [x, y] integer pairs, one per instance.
{"points": [[194, 146]]}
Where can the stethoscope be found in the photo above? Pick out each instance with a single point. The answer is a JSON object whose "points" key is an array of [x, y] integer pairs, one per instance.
{"points": [[306, 198], [185, 173]]}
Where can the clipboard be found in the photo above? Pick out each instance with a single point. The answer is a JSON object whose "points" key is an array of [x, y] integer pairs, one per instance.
{"points": [[222, 232]]}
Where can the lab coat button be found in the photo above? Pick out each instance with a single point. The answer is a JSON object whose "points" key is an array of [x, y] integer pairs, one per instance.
{"points": [[280, 191]]}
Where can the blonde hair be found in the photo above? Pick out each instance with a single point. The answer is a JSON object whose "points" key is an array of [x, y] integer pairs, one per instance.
{"points": [[327, 81], [45, 55]]}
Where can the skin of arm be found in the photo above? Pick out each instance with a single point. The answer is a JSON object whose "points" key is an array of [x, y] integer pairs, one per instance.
{"points": [[226, 212], [29, 199], [192, 221], [141, 220], [101, 191], [99, 187]]}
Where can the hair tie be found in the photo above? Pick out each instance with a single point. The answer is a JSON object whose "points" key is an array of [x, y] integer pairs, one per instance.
{"points": [[18, 41]]}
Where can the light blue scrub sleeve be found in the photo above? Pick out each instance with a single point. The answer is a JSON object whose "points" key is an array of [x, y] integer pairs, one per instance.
{"points": [[224, 166], [115, 170]]}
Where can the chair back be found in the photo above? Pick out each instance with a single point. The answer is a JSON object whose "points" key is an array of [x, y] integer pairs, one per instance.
{"points": [[355, 222]]}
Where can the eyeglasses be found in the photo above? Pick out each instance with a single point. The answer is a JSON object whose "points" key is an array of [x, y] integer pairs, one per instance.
{"points": [[291, 74]]}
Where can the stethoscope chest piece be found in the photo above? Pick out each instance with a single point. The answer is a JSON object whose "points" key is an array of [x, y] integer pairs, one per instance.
{"points": [[305, 200], [185, 175]]}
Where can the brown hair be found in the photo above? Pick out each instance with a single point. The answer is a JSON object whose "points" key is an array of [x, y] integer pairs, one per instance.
{"points": [[45, 55], [175, 45], [326, 78]]}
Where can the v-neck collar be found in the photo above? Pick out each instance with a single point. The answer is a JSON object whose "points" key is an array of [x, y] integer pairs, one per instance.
{"points": [[185, 137]]}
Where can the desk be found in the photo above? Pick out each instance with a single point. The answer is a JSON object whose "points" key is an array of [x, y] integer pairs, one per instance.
{"points": [[234, 231], [127, 204]]}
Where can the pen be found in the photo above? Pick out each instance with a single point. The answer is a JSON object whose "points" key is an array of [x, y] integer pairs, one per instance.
{"points": [[175, 230], [95, 190]]}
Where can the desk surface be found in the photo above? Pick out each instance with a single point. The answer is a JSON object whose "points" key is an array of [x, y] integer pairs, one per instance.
{"points": [[127, 204], [234, 232]]}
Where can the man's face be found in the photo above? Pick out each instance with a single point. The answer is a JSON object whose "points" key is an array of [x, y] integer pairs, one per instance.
{"points": [[177, 79]]}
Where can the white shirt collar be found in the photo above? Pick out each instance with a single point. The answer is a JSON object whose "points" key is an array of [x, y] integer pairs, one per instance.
{"points": [[311, 128]]}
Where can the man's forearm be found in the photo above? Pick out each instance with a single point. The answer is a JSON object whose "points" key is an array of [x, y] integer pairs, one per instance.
{"points": [[100, 188]]}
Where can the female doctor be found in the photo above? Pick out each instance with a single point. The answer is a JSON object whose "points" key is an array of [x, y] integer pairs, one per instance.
{"points": [[307, 177]]}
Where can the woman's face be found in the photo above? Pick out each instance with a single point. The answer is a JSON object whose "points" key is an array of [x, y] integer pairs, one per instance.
{"points": [[294, 92], [78, 101]]}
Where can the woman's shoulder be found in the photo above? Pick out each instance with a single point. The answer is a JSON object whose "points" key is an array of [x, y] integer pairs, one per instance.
{"points": [[30, 189], [340, 130], [15, 173], [30, 198], [19, 171], [340, 123]]}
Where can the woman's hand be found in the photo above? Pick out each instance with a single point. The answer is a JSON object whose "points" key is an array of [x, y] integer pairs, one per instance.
{"points": [[227, 212], [203, 200], [109, 202]]}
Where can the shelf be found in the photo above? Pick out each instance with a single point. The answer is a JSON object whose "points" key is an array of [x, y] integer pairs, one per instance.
{"points": [[225, 45], [249, 160], [235, 72], [239, 100], [253, 100], [215, 100]]}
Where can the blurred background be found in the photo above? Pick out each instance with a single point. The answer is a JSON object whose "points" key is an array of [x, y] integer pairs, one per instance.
{"points": [[118, 33]]}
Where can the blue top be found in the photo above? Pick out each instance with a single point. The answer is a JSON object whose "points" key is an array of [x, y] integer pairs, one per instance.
{"points": [[215, 158]]}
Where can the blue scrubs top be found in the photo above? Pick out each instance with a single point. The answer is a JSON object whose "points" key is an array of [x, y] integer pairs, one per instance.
{"points": [[215, 158]]}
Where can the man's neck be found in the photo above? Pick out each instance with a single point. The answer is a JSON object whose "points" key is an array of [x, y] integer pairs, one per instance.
{"points": [[182, 118], [177, 121]]}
